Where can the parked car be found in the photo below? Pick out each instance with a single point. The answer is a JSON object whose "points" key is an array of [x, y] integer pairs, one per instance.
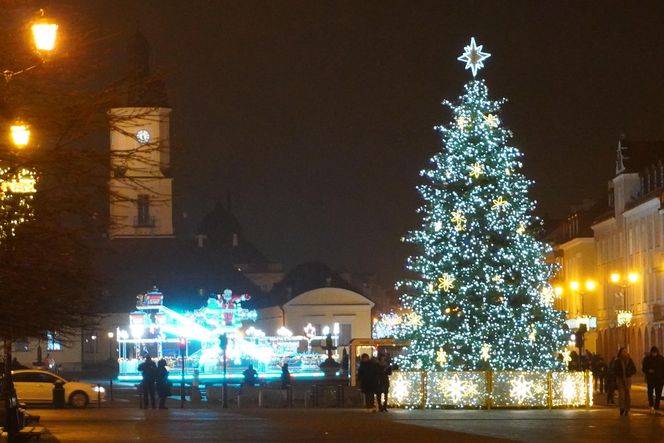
{"points": [[36, 386]]}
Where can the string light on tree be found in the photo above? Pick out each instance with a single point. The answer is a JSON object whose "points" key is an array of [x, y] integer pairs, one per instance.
{"points": [[492, 275], [446, 282], [521, 229], [458, 220], [499, 204], [441, 357], [486, 351], [491, 120], [462, 122], [476, 169]]}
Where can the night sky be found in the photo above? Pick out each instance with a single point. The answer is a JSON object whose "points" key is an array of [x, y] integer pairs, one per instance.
{"points": [[317, 116]]}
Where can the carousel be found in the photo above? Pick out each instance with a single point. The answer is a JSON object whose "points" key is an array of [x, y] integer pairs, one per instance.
{"points": [[192, 339]]}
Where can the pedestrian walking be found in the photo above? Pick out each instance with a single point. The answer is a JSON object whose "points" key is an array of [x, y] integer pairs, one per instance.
{"points": [[163, 385], [624, 369], [149, 371], [653, 368], [367, 376], [384, 372]]}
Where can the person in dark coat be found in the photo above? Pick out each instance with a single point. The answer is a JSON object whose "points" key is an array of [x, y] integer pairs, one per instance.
{"points": [[653, 368], [624, 369], [149, 371], [367, 376], [285, 377], [163, 386], [384, 372], [250, 376]]}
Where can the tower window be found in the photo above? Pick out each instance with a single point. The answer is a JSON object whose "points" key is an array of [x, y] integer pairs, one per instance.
{"points": [[143, 217]]}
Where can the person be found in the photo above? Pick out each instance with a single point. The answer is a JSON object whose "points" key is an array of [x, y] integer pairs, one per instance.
{"points": [[366, 375], [250, 376], [384, 372], [285, 377], [653, 368], [624, 369], [149, 371], [50, 362], [163, 386]]}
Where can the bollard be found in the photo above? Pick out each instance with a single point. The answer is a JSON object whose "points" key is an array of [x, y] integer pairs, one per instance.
{"points": [[98, 395], [110, 387], [140, 395], [58, 395]]}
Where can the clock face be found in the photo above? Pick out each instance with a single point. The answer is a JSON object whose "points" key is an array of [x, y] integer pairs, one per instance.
{"points": [[143, 136]]}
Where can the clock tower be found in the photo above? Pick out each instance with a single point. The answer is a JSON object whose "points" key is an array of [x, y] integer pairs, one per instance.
{"points": [[141, 197]]}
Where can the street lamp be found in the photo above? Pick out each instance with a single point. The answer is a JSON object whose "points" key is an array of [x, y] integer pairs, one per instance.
{"points": [[110, 345], [590, 286], [20, 132], [44, 33], [624, 316]]}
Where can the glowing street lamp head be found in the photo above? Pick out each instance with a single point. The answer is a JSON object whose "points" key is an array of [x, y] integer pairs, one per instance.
{"points": [[615, 277], [633, 277], [591, 285], [44, 33], [20, 134], [559, 290], [574, 286]]}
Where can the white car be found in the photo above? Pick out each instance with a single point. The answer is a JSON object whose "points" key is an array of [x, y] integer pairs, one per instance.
{"points": [[36, 386]]}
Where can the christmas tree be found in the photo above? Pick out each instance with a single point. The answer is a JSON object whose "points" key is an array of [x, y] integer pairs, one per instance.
{"points": [[480, 296]]}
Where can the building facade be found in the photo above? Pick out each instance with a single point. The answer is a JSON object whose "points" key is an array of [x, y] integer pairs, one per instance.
{"points": [[628, 241]]}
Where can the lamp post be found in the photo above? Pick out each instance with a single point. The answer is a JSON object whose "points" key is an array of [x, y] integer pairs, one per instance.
{"points": [[589, 286], [223, 344], [110, 336], [624, 317], [582, 328]]}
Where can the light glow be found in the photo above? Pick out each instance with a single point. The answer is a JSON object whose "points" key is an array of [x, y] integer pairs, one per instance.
{"points": [[20, 134], [44, 34], [473, 56]]}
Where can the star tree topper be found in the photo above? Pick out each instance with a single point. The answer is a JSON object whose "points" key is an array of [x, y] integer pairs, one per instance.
{"points": [[473, 56]]}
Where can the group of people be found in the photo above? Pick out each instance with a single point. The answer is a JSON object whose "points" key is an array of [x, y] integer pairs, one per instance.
{"points": [[374, 378], [618, 373], [155, 378]]}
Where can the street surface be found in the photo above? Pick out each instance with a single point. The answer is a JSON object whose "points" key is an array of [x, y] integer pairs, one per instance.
{"points": [[348, 425], [122, 421]]}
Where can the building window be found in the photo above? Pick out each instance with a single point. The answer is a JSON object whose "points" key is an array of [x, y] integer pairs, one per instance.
{"points": [[90, 340], [143, 211], [345, 334], [21, 345], [52, 343]]}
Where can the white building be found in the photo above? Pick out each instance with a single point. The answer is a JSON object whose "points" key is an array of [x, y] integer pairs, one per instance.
{"points": [[321, 307], [629, 251]]}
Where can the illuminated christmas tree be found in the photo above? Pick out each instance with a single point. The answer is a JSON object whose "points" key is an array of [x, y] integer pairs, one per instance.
{"points": [[480, 296]]}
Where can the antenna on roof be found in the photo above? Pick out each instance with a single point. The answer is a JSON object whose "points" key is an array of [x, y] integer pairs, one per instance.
{"points": [[620, 157]]}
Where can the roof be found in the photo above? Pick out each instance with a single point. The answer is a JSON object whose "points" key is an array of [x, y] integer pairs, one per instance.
{"points": [[329, 296], [186, 274]]}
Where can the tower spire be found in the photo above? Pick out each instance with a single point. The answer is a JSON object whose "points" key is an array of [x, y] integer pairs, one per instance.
{"points": [[144, 90]]}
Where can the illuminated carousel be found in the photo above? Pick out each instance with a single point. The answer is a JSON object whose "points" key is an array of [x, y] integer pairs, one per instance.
{"points": [[193, 339]]}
